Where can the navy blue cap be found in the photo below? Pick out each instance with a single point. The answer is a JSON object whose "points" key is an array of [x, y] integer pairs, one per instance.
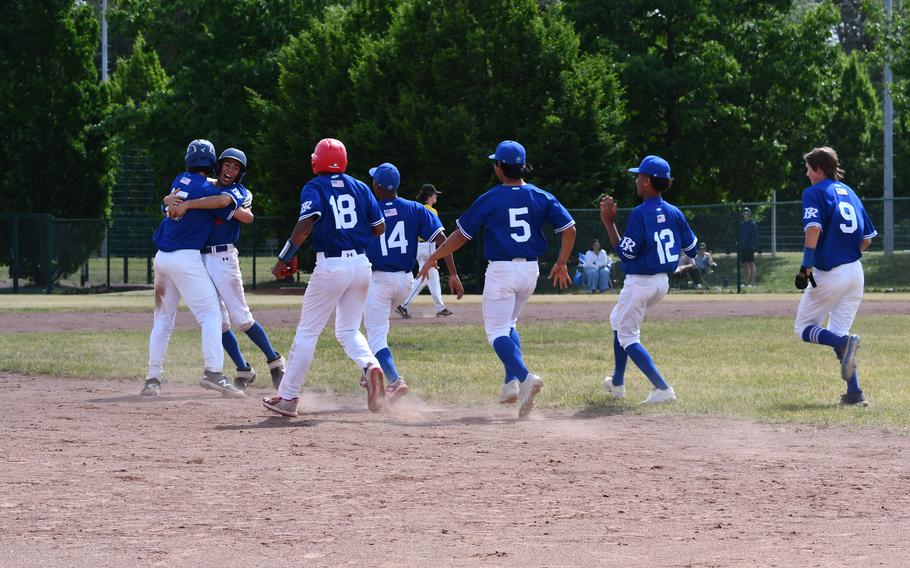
{"points": [[509, 152], [386, 176], [653, 166]]}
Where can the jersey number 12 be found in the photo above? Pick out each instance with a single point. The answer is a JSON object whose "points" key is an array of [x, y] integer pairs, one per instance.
{"points": [[665, 242]]}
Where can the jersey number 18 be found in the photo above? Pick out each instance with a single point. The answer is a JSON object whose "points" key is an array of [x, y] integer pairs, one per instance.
{"points": [[343, 208]]}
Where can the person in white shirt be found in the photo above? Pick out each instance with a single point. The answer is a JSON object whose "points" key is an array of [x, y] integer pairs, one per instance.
{"points": [[597, 267]]}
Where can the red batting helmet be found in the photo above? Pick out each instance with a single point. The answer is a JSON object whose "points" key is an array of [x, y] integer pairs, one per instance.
{"points": [[330, 156]]}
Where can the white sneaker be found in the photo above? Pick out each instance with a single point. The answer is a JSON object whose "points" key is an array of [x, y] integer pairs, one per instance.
{"points": [[526, 393], [618, 391], [658, 396], [509, 392]]}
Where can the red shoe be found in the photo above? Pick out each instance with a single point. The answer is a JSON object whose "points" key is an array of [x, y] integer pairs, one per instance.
{"points": [[373, 380]]}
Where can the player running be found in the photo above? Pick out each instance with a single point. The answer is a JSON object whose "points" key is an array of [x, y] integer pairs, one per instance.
{"points": [[837, 230], [512, 216], [343, 218], [392, 256], [656, 233], [223, 265], [180, 273]]}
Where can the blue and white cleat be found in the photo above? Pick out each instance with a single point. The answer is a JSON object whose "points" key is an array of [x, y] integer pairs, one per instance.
{"points": [[848, 359]]}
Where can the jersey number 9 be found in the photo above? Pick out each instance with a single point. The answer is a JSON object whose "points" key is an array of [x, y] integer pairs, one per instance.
{"points": [[849, 214]]}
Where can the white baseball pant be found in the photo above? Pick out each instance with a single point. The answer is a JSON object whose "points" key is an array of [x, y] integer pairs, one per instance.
{"points": [[507, 287], [224, 270], [424, 250], [837, 298], [387, 291], [338, 284], [181, 274], [639, 293]]}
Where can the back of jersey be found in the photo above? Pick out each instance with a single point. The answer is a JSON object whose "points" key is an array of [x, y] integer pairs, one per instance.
{"points": [[346, 212], [657, 233], [513, 219], [834, 207], [192, 230], [406, 222]]}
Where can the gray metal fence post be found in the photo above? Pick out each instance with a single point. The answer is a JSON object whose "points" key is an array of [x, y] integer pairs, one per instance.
{"points": [[49, 256], [15, 259], [774, 223]]}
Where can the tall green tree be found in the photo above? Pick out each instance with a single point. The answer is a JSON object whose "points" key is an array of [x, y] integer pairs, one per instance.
{"points": [[55, 157]]}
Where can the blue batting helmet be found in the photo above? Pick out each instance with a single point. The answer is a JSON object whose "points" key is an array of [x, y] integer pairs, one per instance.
{"points": [[200, 153], [234, 154]]}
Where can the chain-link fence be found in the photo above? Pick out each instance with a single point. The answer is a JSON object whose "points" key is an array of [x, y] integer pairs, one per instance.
{"points": [[41, 253]]}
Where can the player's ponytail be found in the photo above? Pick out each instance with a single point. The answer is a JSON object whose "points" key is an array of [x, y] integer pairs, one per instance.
{"points": [[825, 159]]}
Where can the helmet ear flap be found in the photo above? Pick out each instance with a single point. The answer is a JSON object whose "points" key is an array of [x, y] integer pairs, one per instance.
{"points": [[330, 156]]}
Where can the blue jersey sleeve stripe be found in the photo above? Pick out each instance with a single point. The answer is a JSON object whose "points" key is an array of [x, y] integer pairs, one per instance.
{"points": [[874, 234], [302, 217], [463, 232], [561, 229], [692, 246], [433, 236], [819, 225], [381, 220]]}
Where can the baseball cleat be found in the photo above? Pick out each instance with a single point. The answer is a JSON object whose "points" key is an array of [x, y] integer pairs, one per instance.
{"points": [[618, 391], [220, 383], [848, 359], [276, 368], [403, 312], [244, 378], [854, 399], [444, 312], [526, 393], [658, 396], [152, 388], [509, 392], [282, 406], [372, 380], [396, 390]]}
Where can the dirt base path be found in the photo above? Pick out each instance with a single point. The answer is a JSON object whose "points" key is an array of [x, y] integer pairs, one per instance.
{"points": [[100, 477], [424, 314]]}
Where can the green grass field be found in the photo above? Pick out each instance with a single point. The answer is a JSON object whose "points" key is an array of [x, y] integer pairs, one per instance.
{"points": [[753, 369]]}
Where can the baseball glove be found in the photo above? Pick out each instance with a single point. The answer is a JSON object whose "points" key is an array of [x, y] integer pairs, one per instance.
{"points": [[804, 278], [289, 270]]}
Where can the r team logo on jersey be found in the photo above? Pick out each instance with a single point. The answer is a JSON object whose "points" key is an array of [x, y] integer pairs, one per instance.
{"points": [[810, 213], [627, 245], [305, 206]]}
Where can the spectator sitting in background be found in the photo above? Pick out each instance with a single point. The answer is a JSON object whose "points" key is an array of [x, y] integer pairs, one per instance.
{"points": [[687, 270], [704, 262], [597, 267]]}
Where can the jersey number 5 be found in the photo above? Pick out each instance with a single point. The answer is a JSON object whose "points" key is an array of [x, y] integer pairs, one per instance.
{"points": [[665, 242], [396, 240], [343, 208], [516, 223]]}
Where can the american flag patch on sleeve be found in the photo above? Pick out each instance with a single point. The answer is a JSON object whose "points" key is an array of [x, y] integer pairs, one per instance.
{"points": [[661, 218], [337, 183], [390, 212]]}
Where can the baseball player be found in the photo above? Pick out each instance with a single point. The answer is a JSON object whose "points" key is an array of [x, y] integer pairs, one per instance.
{"points": [[343, 218], [427, 195], [656, 234], [392, 256], [837, 230], [512, 216], [223, 265], [180, 273]]}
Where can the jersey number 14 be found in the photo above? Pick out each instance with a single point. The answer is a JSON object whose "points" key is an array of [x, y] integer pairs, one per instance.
{"points": [[396, 240]]}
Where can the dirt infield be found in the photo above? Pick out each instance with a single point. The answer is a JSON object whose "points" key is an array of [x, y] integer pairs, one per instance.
{"points": [[93, 475], [465, 313]]}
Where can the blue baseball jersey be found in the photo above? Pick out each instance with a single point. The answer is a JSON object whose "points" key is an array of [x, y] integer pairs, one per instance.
{"points": [[405, 222], [656, 234], [226, 229], [192, 230], [345, 212], [512, 218], [834, 207]]}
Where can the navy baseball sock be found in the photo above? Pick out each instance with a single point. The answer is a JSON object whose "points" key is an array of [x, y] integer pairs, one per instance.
{"points": [[257, 335], [643, 361], [513, 333], [510, 355], [818, 334], [388, 364], [853, 383], [620, 358], [229, 342]]}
